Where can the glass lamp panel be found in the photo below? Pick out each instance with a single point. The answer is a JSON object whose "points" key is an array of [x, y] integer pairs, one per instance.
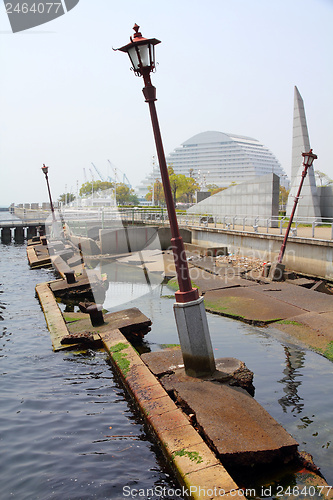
{"points": [[152, 55], [309, 160], [134, 57], [144, 55]]}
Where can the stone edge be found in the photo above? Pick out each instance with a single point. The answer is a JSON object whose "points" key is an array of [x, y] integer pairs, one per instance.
{"points": [[195, 465]]}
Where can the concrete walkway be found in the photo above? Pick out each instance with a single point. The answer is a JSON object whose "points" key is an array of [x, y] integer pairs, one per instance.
{"points": [[323, 232], [304, 314]]}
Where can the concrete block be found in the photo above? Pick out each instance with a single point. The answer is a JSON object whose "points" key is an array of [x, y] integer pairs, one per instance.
{"points": [[194, 338], [276, 271]]}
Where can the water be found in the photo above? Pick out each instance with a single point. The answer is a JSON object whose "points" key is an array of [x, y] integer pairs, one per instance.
{"points": [[67, 428]]}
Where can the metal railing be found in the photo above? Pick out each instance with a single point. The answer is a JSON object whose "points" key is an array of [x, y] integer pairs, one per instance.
{"points": [[80, 219]]}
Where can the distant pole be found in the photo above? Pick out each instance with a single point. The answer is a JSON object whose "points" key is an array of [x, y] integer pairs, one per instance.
{"points": [[307, 163], [45, 172]]}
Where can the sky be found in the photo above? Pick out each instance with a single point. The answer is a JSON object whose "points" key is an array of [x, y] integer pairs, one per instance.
{"points": [[68, 100]]}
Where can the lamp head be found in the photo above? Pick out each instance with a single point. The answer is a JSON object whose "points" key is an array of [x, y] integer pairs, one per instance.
{"points": [[141, 52], [308, 158], [45, 169]]}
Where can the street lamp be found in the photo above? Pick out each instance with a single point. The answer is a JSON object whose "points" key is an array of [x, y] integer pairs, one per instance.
{"points": [[45, 172], [189, 308], [307, 163]]}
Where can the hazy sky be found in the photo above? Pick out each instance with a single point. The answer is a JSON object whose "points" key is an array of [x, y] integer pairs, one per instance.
{"points": [[67, 99]]}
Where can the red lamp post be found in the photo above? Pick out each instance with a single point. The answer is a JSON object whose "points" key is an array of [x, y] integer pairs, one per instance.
{"points": [[307, 163], [45, 172], [141, 52]]}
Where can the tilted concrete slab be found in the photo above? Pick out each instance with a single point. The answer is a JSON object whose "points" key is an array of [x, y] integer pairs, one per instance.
{"points": [[250, 304], [319, 322], [239, 430], [303, 298]]}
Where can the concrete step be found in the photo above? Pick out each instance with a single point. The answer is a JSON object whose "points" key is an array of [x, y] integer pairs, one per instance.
{"points": [[237, 427]]}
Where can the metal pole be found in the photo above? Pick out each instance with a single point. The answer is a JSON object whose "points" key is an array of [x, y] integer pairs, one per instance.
{"points": [[185, 293], [51, 203], [283, 246]]}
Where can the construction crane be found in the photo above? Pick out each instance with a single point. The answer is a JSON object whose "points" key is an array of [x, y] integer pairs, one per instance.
{"points": [[98, 172], [125, 178]]}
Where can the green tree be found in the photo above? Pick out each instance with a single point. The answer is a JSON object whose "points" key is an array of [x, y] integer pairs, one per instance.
{"points": [[66, 197], [125, 195], [158, 193], [95, 186], [214, 188], [283, 195], [189, 187], [177, 183]]}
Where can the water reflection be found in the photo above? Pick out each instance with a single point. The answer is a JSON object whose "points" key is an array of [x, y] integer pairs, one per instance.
{"points": [[294, 362], [127, 283]]}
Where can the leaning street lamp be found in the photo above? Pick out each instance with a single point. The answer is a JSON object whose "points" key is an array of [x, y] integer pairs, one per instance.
{"points": [[307, 163], [45, 172], [189, 308]]}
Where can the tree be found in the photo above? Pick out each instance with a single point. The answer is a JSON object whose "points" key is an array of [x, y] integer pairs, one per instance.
{"points": [[125, 195], [158, 193], [189, 186], [66, 197], [214, 188], [93, 187], [283, 195], [323, 178], [177, 183]]}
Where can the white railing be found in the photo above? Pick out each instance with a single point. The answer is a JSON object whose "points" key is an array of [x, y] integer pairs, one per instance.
{"points": [[80, 219]]}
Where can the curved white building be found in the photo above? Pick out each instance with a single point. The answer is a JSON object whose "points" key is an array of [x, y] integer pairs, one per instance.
{"points": [[218, 158]]}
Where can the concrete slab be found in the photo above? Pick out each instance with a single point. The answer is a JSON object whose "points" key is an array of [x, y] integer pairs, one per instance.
{"points": [[38, 256], [212, 484], [206, 281], [309, 300], [238, 428], [54, 319], [319, 322], [250, 304]]}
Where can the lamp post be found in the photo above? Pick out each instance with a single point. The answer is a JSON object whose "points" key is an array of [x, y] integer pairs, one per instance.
{"points": [[307, 163], [45, 172], [189, 308]]}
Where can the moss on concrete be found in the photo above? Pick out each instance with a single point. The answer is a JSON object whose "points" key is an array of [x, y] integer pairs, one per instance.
{"points": [[192, 455], [287, 322], [328, 352], [69, 319], [120, 357], [170, 346]]}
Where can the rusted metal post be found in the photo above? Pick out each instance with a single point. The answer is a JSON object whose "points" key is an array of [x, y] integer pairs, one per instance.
{"points": [[95, 312], [307, 162], [186, 292], [189, 308], [45, 172]]}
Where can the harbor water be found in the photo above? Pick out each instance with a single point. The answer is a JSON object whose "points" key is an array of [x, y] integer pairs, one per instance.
{"points": [[68, 429]]}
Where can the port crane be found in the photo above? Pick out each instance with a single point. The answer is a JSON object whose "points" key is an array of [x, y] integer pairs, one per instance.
{"points": [[115, 179], [125, 178]]}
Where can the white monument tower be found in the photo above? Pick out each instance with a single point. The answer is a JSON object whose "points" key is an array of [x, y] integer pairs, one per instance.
{"points": [[309, 203]]}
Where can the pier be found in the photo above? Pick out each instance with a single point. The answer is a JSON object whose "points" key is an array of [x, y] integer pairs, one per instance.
{"points": [[19, 230]]}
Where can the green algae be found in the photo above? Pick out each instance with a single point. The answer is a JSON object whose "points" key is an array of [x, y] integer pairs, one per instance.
{"points": [[192, 455], [120, 357]]}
